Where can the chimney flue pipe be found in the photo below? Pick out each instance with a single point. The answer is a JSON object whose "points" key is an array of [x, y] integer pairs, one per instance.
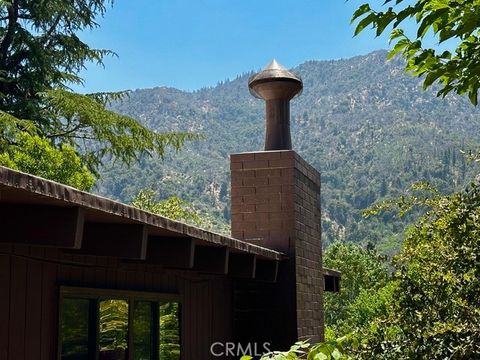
{"points": [[277, 86]]}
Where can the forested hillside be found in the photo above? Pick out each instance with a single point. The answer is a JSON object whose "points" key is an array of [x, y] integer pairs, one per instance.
{"points": [[362, 122]]}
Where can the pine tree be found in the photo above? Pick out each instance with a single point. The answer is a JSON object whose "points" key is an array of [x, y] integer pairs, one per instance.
{"points": [[41, 53]]}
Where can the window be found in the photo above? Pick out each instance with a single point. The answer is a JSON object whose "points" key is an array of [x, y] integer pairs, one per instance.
{"points": [[118, 325]]}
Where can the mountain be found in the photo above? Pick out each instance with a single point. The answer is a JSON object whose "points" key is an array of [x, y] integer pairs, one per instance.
{"points": [[362, 122]]}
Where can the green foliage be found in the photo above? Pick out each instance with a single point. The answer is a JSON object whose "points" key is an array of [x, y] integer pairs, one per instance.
{"points": [[10, 126], [35, 155], [420, 196], [40, 50], [297, 351], [363, 295], [370, 304], [83, 122], [447, 20], [173, 207], [329, 350], [177, 209], [436, 313], [169, 331], [113, 325]]}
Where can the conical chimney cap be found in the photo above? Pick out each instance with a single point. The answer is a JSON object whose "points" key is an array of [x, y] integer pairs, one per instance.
{"points": [[274, 72]]}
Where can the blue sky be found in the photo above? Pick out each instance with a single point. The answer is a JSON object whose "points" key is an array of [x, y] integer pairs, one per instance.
{"points": [[189, 44]]}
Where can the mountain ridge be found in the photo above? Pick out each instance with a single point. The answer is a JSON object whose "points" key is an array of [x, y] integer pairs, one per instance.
{"points": [[362, 122]]}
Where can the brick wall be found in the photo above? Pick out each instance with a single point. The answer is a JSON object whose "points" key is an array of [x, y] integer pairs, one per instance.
{"points": [[308, 251], [276, 204]]}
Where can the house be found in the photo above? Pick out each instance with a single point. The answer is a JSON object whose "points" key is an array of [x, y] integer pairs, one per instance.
{"points": [[85, 277]]}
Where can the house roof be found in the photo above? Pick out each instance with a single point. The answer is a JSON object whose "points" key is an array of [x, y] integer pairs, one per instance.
{"points": [[18, 187], [96, 225]]}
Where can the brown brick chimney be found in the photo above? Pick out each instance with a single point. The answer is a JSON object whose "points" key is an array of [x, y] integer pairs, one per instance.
{"points": [[276, 204]]}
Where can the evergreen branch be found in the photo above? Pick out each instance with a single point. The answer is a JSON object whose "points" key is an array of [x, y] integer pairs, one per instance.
{"points": [[47, 36], [123, 137], [12, 22]]}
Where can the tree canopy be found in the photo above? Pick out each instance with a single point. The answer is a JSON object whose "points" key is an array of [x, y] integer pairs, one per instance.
{"points": [[41, 55], [455, 21], [40, 50], [35, 155], [436, 314], [173, 207], [364, 276], [176, 208]]}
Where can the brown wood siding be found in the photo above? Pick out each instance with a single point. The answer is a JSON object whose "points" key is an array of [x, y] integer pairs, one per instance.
{"points": [[18, 297], [33, 321], [4, 300], [30, 278]]}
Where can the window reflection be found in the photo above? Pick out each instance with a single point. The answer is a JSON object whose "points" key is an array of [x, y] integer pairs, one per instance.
{"points": [[169, 331], [75, 329], [113, 330], [123, 327]]}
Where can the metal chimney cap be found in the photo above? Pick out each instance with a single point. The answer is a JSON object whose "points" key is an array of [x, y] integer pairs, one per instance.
{"points": [[275, 72]]}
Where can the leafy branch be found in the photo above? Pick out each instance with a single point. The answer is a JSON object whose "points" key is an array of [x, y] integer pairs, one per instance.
{"points": [[448, 20]]}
